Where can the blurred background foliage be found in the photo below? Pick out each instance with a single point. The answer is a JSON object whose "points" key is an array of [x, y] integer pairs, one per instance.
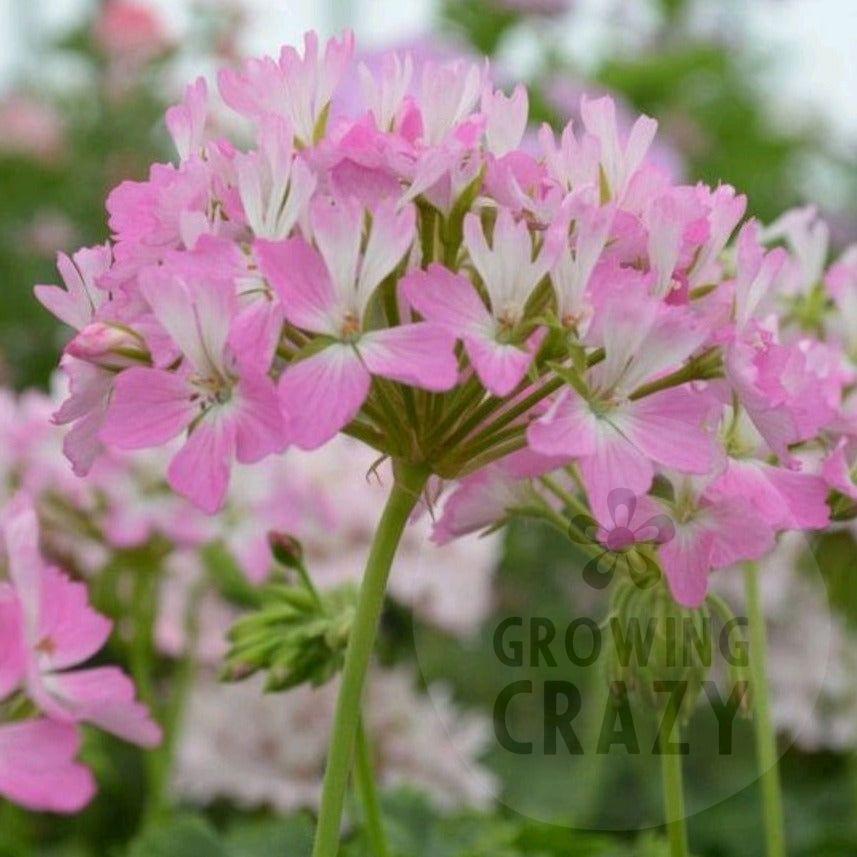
{"points": [[705, 92]]}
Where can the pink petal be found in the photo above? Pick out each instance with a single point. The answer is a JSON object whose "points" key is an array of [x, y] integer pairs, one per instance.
{"points": [[200, 469], [255, 333], [320, 395], [391, 235], [69, 631], [77, 302], [739, 532], [195, 311], [836, 472], [669, 427], [81, 445], [13, 659], [785, 499], [500, 367], [258, 422], [20, 529], [337, 227], [447, 299], [105, 697], [479, 501], [421, 354], [616, 463], [298, 274], [686, 561], [149, 407], [568, 428], [37, 768]]}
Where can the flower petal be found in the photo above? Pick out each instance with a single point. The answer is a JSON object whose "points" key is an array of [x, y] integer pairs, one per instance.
{"points": [[421, 354], [148, 408], [320, 395]]}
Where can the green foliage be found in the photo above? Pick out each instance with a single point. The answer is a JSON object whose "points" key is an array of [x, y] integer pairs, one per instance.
{"points": [[193, 836], [415, 829]]}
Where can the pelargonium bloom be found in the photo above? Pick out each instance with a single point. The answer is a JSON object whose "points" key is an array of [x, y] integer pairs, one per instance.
{"points": [[407, 270], [59, 630], [231, 408], [327, 291]]}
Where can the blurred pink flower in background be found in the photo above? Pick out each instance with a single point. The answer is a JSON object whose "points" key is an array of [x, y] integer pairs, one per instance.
{"points": [[30, 128], [49, 232], [130, 31]]}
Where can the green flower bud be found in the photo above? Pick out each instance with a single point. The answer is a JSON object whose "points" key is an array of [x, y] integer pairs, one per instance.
{"points": [[295, 636]]}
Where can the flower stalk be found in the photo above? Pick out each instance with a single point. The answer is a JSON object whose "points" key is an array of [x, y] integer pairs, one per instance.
{"points": [[408, 485], [766, 744], [674, 811], [364, 776]]}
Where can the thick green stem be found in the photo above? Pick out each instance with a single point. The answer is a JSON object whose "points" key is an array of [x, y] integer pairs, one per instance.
{"points": [[409, 482], [674, 815], [766, 742], [364, 776]]}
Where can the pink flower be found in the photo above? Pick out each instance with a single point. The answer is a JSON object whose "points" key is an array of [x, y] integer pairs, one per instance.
{"points": [[125, 28], [510, 275], [275, 187], [30, 128], [327, 291], [619, 162], [618, 438], [385, 94], [186, 121], [58, 631], [78, 304], [296, 88], [485, 499], [230, 409]]}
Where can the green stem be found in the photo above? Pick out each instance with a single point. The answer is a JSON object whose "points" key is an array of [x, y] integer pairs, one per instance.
{"points": [[570, 500], [674, 815], [160, 767], [409, 483], [766, 742], [708, 365], [364, 776], [141, 656]]}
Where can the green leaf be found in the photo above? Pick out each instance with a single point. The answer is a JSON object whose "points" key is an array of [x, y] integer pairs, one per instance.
{"points": [[291, 837], [187, 836]]}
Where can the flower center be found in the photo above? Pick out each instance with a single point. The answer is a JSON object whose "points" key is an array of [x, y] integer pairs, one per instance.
{"points": [[350, 326]]}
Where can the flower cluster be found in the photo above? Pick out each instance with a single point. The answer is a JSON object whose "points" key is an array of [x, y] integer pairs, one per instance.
{"points": [[409, 273], [47, 630]]}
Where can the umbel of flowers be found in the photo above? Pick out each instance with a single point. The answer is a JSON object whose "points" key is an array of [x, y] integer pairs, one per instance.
{"points": [[474, 304]]}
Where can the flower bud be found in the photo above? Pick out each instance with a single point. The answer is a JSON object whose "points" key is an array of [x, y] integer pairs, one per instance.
{"points": [[286, 549], [109, 346]]}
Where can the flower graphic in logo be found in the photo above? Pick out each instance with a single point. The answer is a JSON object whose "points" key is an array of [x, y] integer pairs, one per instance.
{"points": [[635, 524]]}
